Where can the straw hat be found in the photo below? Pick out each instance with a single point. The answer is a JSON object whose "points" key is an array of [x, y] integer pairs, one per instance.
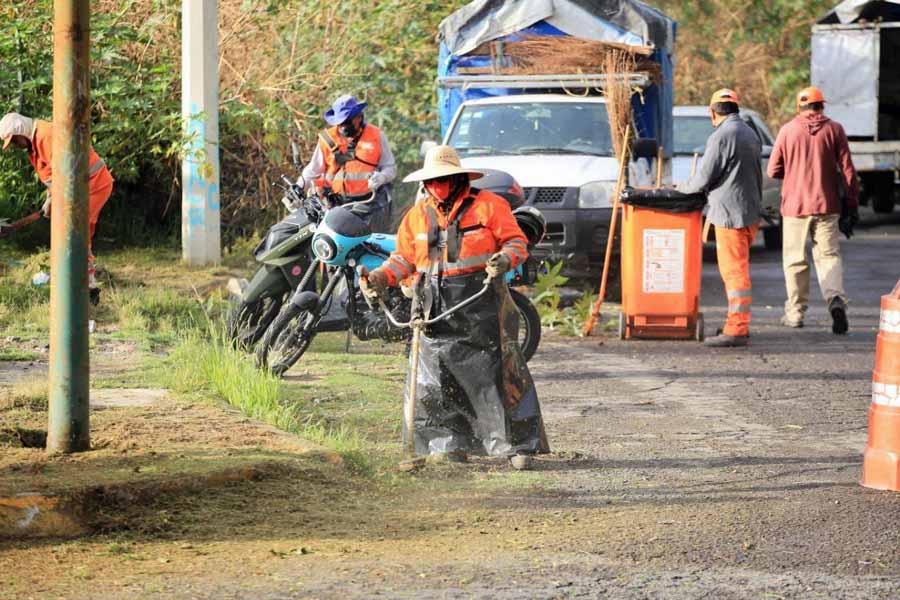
{"points": [[441, 161], [15, 124]]}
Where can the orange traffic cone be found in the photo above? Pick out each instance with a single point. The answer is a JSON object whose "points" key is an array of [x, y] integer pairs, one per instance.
{"points": [[881, 462]]}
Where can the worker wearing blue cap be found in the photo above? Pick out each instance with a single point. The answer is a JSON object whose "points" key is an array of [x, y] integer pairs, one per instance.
{"points": [[353, 159]]}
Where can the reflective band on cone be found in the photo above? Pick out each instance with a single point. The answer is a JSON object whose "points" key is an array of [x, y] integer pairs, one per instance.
{"points": [[881, 463]]}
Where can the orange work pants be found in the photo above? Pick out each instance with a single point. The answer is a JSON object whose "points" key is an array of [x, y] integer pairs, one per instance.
{"points": [[100, 189], [733, 252]]}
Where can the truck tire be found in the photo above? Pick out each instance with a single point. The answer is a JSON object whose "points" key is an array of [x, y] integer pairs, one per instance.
{"points": [[772, 237], [880, 189]]}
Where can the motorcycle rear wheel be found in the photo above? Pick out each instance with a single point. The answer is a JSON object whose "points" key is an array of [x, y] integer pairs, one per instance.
{"points": [[529, 324], [248, 321]]}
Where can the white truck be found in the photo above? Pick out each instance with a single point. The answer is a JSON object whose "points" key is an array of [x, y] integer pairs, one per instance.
{"points": [[853, 49], [559, 149], [548, 126]]}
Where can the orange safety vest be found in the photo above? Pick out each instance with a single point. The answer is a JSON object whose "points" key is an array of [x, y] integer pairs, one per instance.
{"points": [[348, 163], [458, 243], [41, 156]]}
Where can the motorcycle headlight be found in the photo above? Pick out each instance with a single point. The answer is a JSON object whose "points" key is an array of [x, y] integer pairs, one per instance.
{"points": [[324, 248], [596, 194]]}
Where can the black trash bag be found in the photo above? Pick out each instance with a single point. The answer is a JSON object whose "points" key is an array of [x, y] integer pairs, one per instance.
{"points": [[465, 400], [668, 200]]}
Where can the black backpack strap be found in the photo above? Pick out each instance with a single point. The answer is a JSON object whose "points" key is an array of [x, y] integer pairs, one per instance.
{"points": [[454, 233]]}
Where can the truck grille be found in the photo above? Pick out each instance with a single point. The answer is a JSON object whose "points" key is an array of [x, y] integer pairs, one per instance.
{"points": [[545, 195]]}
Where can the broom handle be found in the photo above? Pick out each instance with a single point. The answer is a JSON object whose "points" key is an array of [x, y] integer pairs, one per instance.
{"points": [[620, 183], [659, 167], [409, 408]]}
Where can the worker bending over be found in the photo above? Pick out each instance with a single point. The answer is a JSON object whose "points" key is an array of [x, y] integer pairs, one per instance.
{"points": [[36, 138]]}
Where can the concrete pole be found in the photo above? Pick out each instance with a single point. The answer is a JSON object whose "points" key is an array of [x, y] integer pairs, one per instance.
{"points": [[69, 426], [200, 234]]}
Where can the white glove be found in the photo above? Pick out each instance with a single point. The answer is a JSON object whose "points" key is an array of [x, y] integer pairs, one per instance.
{"points": [[376, 180], [46, 207]]}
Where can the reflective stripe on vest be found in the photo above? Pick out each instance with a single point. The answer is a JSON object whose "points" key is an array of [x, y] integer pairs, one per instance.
{"points": [[95, 168], [468, 262]]}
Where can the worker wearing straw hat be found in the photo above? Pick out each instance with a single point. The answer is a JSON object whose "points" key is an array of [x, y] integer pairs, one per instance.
{"points": [[731, 174], [472, 397]]}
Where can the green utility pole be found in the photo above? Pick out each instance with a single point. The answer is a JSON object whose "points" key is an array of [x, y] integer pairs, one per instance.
{"points": [[69, 426]]}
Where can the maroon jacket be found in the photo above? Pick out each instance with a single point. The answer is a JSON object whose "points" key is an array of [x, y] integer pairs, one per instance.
{"points": [[812, 155]]}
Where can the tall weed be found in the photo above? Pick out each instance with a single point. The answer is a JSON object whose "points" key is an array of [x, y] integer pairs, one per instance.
{"points": [[205, 361]]}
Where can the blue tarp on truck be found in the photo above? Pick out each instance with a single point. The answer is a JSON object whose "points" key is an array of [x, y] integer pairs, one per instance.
{"points": [[623, 21]]}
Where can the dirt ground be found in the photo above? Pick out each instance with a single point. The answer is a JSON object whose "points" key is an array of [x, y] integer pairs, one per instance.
{"points": [[678, 472]]}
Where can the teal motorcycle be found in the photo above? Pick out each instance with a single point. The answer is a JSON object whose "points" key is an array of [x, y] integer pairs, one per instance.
{"points": [[343, 242]]}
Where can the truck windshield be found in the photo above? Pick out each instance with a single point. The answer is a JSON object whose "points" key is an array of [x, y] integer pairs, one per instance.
{"points": [[691, 134], [533, 128]]}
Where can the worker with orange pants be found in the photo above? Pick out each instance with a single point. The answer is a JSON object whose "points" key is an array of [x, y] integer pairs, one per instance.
{"points": [[36, 137], [731, 174]]}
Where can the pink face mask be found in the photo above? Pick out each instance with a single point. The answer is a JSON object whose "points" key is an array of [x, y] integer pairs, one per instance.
{"points": [[439, 188]]}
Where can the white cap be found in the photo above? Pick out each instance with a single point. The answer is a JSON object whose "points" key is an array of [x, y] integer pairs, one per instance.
{"points": [[15, 124]]}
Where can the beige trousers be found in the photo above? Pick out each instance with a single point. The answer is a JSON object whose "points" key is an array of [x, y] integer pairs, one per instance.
{"points": [[823, 231]]}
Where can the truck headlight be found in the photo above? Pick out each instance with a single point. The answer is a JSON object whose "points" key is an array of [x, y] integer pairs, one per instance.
{"points": [[596, 194]]}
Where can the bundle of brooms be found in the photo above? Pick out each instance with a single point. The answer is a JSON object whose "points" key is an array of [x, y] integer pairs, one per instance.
{"points": [[564, 55]]}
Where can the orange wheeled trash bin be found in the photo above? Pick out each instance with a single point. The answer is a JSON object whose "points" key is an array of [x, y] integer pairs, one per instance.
{"points": [[662, 260]]}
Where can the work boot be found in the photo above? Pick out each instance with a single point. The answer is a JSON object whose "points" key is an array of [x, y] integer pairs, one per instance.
{"points": [[454, 456], [727, 341], [791, 323], [521, 462], [839, 323]]}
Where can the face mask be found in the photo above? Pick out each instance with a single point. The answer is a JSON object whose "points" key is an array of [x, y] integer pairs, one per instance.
{"points": [[347, 129], [438, 189]]}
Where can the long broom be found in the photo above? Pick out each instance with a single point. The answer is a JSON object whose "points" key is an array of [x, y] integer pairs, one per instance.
{"points": [[620, 183]]}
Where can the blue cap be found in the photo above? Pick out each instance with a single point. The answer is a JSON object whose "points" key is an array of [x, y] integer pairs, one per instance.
{"points": [[345, 107]]}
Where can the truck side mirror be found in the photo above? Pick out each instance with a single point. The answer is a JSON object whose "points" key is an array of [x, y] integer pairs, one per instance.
{"points": [[425, 147], [644, 148]]}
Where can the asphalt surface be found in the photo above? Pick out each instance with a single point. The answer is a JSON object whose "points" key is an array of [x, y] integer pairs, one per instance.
{"points": [[693, 472]]}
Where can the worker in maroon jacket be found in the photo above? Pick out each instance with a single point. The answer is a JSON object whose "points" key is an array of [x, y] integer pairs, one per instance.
{"points": [[819, 201]]}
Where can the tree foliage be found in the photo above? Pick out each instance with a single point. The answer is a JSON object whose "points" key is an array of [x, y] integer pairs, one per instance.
{"points": [[758, 47], [135, 123], [284, 61]]}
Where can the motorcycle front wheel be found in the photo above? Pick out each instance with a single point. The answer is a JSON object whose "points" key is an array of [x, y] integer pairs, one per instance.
{"points": [[285, 340]]}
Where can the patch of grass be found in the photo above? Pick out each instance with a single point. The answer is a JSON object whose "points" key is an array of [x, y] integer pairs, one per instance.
{"points": [[19, 299], [205, 362], [19, 355], [27, 393]]}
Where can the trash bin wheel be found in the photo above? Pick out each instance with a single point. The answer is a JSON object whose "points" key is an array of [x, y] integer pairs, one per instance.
{"points": [[622, 326], [698, 329]]}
